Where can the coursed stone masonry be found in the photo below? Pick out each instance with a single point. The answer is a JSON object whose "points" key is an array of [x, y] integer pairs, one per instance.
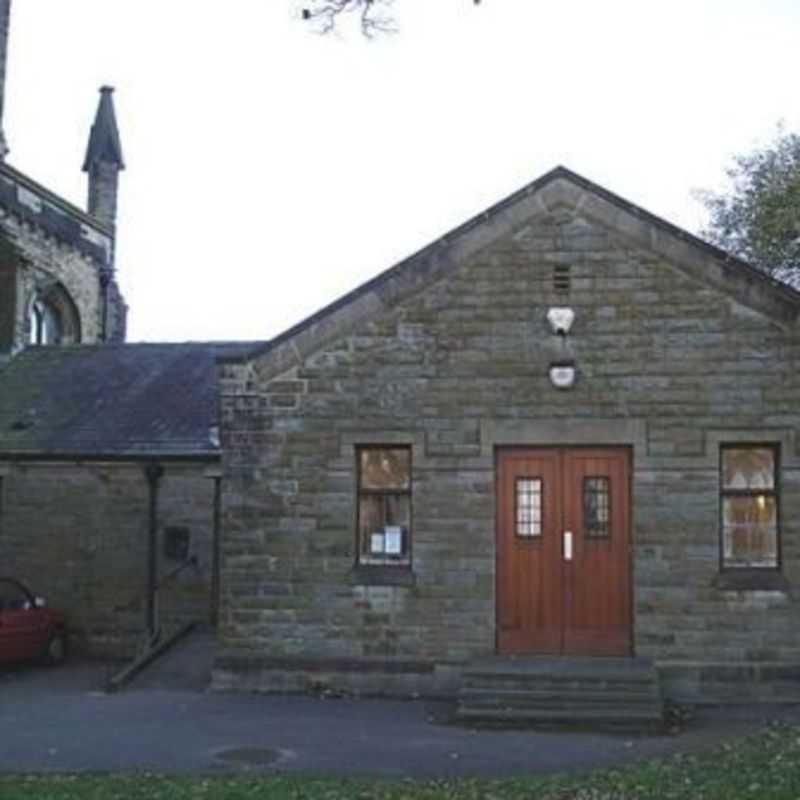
{"points": [[77, 533], [55, 244], [676, 352]]}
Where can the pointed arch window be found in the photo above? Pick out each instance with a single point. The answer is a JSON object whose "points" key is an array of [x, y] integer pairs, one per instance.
{"points": [[45, 324], [53, 318]]}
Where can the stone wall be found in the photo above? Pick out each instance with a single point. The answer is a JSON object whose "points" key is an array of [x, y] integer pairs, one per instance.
{"points": [[672, 361], [77, 534], [47, 260], [8, 316], [55, 243]]}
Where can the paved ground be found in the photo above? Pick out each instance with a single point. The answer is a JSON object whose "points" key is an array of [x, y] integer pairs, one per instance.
{"points": [[56, 720]]}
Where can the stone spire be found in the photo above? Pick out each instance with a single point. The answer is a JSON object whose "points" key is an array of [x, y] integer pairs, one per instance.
{"points": [[5, 13], [104, 161]]}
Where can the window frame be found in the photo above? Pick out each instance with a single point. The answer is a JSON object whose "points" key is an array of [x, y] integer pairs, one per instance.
{"points": [[609, 509], [56, 303], [403, 564], [46, 327], [775, 492], [531, 538]]}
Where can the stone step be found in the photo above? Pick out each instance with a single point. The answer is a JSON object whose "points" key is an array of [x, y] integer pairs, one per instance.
{"points": [[559, 674], [566, 674], [560, 691], [556, 683], [521, 698], [620, 717], [568, 666]]}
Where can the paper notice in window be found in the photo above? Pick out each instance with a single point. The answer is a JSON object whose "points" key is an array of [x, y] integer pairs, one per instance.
{"points": [[376, 544], [394, 540]]}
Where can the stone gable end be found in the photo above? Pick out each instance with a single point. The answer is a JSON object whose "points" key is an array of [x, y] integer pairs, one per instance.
{"points": [[675, 354]]}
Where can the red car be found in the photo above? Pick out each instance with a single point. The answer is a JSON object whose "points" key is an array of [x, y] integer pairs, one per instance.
{"points": [[28, 630]]}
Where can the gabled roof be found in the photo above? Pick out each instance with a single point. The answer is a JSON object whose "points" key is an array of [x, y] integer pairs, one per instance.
{"points": [[560, 186], [104, 141], [134, 400]]}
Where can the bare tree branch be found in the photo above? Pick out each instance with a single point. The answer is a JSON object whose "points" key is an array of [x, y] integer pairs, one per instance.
{"points": [[375, 16]]}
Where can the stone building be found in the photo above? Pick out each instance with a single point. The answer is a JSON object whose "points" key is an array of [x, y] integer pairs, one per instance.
{"points": [[109, 453], [565, 428], [110, 487], [57, 279]]}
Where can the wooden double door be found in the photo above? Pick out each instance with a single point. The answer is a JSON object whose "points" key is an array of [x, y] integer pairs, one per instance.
{"points": [[563, 551]]}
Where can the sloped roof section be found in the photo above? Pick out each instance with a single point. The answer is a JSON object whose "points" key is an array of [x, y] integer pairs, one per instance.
{"points": [[556, 188], [133, 400], [104, 141]]}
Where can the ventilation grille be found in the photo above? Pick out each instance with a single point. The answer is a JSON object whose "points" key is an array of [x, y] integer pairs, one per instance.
{"points": [[561, 279]]}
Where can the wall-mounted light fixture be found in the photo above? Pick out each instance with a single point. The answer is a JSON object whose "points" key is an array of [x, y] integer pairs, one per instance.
{"points": [[560, 320], [562, 370], [562, 376]]}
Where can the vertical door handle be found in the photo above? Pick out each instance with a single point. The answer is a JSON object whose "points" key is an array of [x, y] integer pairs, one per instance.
{"points": [[567, 545]]}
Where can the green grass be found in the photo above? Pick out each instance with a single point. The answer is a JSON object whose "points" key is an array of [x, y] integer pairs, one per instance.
{"points": [[762, 767]]}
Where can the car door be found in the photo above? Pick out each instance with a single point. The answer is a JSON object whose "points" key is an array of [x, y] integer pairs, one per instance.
{"points": [[23, 630]]}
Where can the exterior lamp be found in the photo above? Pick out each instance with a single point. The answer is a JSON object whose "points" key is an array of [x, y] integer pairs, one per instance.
{"points": [[562, 376]]}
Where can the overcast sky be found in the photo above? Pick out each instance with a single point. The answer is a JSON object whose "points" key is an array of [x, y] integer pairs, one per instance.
{"points": [[271, 170]]}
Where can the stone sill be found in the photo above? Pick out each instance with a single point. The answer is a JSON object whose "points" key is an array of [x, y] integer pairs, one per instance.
{"points": [[751, 580], [374, 575]]}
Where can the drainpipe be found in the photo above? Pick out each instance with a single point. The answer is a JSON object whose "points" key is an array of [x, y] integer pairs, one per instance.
{"points": [[215, 565], [105, 279], [153, 471]]}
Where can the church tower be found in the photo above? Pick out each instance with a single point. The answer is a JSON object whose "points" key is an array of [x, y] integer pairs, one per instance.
{"points": [[57, 272], [103, 161]]}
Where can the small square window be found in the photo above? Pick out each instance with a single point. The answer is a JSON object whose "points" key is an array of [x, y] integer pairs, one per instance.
{"points": [[384, 506], [596, 507], [749, 508], [529, 507]]}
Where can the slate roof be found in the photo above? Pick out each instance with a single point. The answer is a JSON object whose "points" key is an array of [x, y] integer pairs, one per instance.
{"points": [[127, 400]]}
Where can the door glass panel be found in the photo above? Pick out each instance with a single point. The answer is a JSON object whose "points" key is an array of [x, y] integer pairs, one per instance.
{"points": [[596, 507], [529, 507]]}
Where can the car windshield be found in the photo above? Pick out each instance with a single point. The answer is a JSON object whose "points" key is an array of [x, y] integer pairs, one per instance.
{"points": [[12, 597]]}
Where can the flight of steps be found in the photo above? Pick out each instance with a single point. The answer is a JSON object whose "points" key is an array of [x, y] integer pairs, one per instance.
{"points": [[606, 693]]}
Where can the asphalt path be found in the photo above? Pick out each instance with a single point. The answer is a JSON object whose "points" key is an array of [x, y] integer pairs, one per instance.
{"points": [[59, 721]]}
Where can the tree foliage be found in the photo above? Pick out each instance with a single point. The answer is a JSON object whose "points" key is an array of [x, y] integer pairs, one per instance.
{"points": [[758, 220]]}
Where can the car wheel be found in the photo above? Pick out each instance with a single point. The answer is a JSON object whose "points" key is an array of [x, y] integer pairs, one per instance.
{"points": [[56, 651]]}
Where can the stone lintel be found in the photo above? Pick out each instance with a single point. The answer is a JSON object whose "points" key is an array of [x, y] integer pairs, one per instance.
{"points": [[561, 432]]}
